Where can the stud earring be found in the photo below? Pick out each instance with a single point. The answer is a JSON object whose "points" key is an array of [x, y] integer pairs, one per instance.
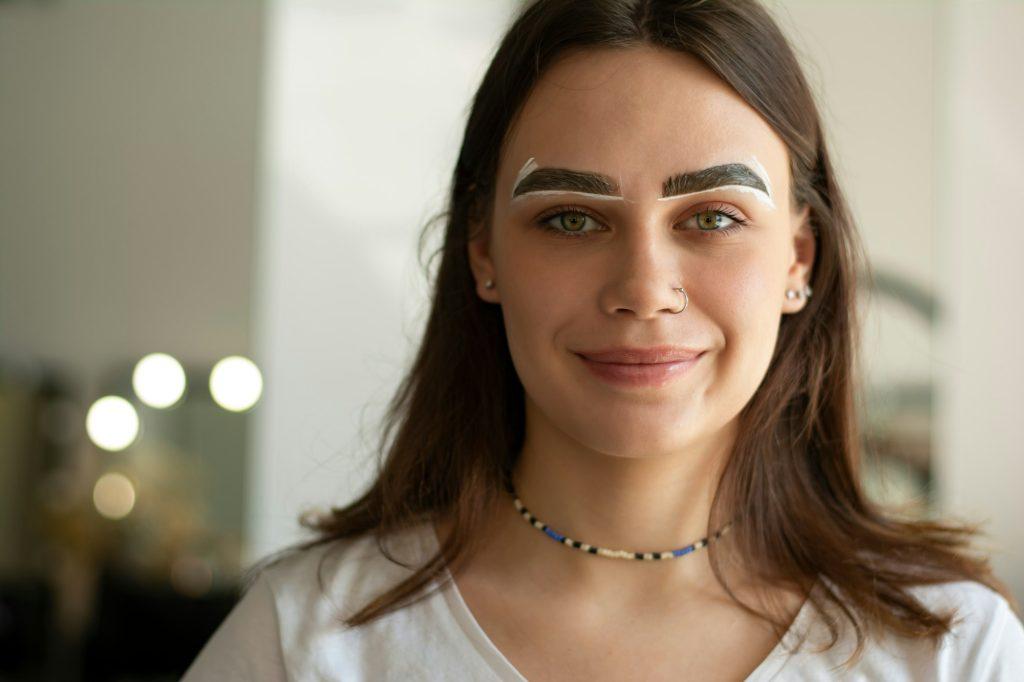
{"points": [[489, 284], [794, 293]]}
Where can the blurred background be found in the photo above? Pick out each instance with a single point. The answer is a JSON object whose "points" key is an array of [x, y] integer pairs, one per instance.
{"points": [[209, 283]]}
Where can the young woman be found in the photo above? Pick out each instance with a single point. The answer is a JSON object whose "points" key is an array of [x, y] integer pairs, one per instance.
{"points": [[627, 448]]}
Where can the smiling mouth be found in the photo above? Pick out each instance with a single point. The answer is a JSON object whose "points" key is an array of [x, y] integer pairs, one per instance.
{"points": [[637, 374], [651, 355]]}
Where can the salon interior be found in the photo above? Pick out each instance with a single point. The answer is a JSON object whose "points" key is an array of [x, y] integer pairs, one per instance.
{"points": [[210, 285]]}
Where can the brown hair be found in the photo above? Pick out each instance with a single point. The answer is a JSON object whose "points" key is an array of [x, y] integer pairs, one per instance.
{"points": [[453, 429]]}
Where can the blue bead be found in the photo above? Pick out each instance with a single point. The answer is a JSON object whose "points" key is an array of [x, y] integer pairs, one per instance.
{"points": [[555, 534], [684, 550]]}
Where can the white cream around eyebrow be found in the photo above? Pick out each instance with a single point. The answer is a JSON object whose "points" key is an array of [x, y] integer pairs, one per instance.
{"points": [[757, 194], [762, 197], [763, 173], [523, 172], [591, 195]]}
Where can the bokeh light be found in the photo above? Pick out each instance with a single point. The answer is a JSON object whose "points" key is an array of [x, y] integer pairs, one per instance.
{"points": [[158, 380], [113, 495], [112, 423], [236, 383]]}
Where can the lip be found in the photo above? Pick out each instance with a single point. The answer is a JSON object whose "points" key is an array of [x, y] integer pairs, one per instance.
{"points": [[626, 355], [669, 363]]}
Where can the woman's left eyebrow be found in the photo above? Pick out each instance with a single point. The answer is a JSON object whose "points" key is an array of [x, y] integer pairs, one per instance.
{"points": [[562, 180]]}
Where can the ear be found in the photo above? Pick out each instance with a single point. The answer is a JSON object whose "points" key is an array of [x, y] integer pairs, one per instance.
{"points": [[480, 261], [803, 252]]}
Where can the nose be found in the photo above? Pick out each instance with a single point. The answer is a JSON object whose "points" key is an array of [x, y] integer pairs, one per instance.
{"points": [[646, 268]]}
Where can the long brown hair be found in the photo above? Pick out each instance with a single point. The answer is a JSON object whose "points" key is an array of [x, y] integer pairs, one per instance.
{"points": [[452, 431]]}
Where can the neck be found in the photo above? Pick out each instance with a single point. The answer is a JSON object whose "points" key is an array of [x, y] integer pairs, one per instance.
{"points": [[647, 503]]}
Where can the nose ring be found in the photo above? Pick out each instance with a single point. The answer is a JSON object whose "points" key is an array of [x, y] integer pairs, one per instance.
{"points": [[686, 300]]}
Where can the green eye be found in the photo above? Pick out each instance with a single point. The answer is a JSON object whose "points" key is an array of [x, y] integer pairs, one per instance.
{"points": [[710, 220], [568, 222], [572, 221], [717, 221]]}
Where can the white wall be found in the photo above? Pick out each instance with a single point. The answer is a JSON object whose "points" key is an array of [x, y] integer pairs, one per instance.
{"points": [[923, 103], [365, 108], [980, 457], [871, 65]]}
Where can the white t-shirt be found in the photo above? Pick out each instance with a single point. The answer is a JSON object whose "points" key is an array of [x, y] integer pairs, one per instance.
{"points": [[284, 628]]}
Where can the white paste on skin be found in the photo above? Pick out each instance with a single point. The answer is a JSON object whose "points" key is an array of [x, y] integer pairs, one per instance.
{"points": [[763, 173], [757, 194], [527, 168], [765, 199], [589, 195]]}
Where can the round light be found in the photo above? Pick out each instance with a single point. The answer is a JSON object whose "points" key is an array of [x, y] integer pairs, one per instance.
{"points": [[113, 495], [236, 383], [112, 423], [158, 380]]}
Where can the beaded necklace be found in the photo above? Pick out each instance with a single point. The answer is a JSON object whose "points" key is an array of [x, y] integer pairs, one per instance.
{"points": [[613, 553]]}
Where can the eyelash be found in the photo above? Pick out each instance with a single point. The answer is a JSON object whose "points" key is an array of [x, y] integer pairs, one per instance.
{"points": [[738, 222]]}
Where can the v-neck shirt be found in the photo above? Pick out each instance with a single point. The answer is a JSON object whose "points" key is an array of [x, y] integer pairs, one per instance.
{"points": [[286, 628]]}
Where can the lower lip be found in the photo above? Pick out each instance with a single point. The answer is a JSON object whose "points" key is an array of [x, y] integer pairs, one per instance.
{"points": [[638, 374]]}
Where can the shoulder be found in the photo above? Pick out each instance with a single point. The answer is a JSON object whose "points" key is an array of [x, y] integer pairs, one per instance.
{"points": [[985, 642], [246, 644], [336, 578], [290, 615], [987, 636], [975, 603]]}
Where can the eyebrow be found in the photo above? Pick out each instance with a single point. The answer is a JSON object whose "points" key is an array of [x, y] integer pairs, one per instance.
{"points": [[709, 178], [566, 180]]}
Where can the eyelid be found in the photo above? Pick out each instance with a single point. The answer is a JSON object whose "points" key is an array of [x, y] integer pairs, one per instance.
{"points": [[741, 217], [712, 205], [541, 221]]}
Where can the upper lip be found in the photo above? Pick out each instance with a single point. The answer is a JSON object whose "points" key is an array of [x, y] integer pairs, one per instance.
{"points": [[641, 356]]}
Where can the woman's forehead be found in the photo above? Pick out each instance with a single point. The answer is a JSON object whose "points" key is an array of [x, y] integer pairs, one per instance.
{"points": [[639, 115]]}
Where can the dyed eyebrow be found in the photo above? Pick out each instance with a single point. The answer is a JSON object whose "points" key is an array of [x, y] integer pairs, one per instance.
{"points": [[566, 180], [709, 178]]}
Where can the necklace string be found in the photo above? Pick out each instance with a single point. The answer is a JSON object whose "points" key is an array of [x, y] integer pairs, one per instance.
{"points": [[603, 551]]}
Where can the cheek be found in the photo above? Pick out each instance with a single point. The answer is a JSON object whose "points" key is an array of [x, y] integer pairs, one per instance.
{"points": [[537, 300], [541, 297], [740, 294], [744, 302]]}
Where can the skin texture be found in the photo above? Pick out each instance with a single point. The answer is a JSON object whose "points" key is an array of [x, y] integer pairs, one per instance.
{"points": [[629, 468]]}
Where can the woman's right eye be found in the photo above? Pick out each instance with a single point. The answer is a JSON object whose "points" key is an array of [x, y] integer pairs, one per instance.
{"points": [[567, 222]]}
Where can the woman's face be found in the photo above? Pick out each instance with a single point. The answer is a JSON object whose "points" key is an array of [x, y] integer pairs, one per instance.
{"points": [[601, 274]]}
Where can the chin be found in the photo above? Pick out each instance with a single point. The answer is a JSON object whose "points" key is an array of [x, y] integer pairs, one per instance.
{"points": [[638, 440]]}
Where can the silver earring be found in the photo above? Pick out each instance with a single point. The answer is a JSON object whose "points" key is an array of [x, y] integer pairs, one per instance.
{"points": [[686, 300], [489, 284], [793, 293]]}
